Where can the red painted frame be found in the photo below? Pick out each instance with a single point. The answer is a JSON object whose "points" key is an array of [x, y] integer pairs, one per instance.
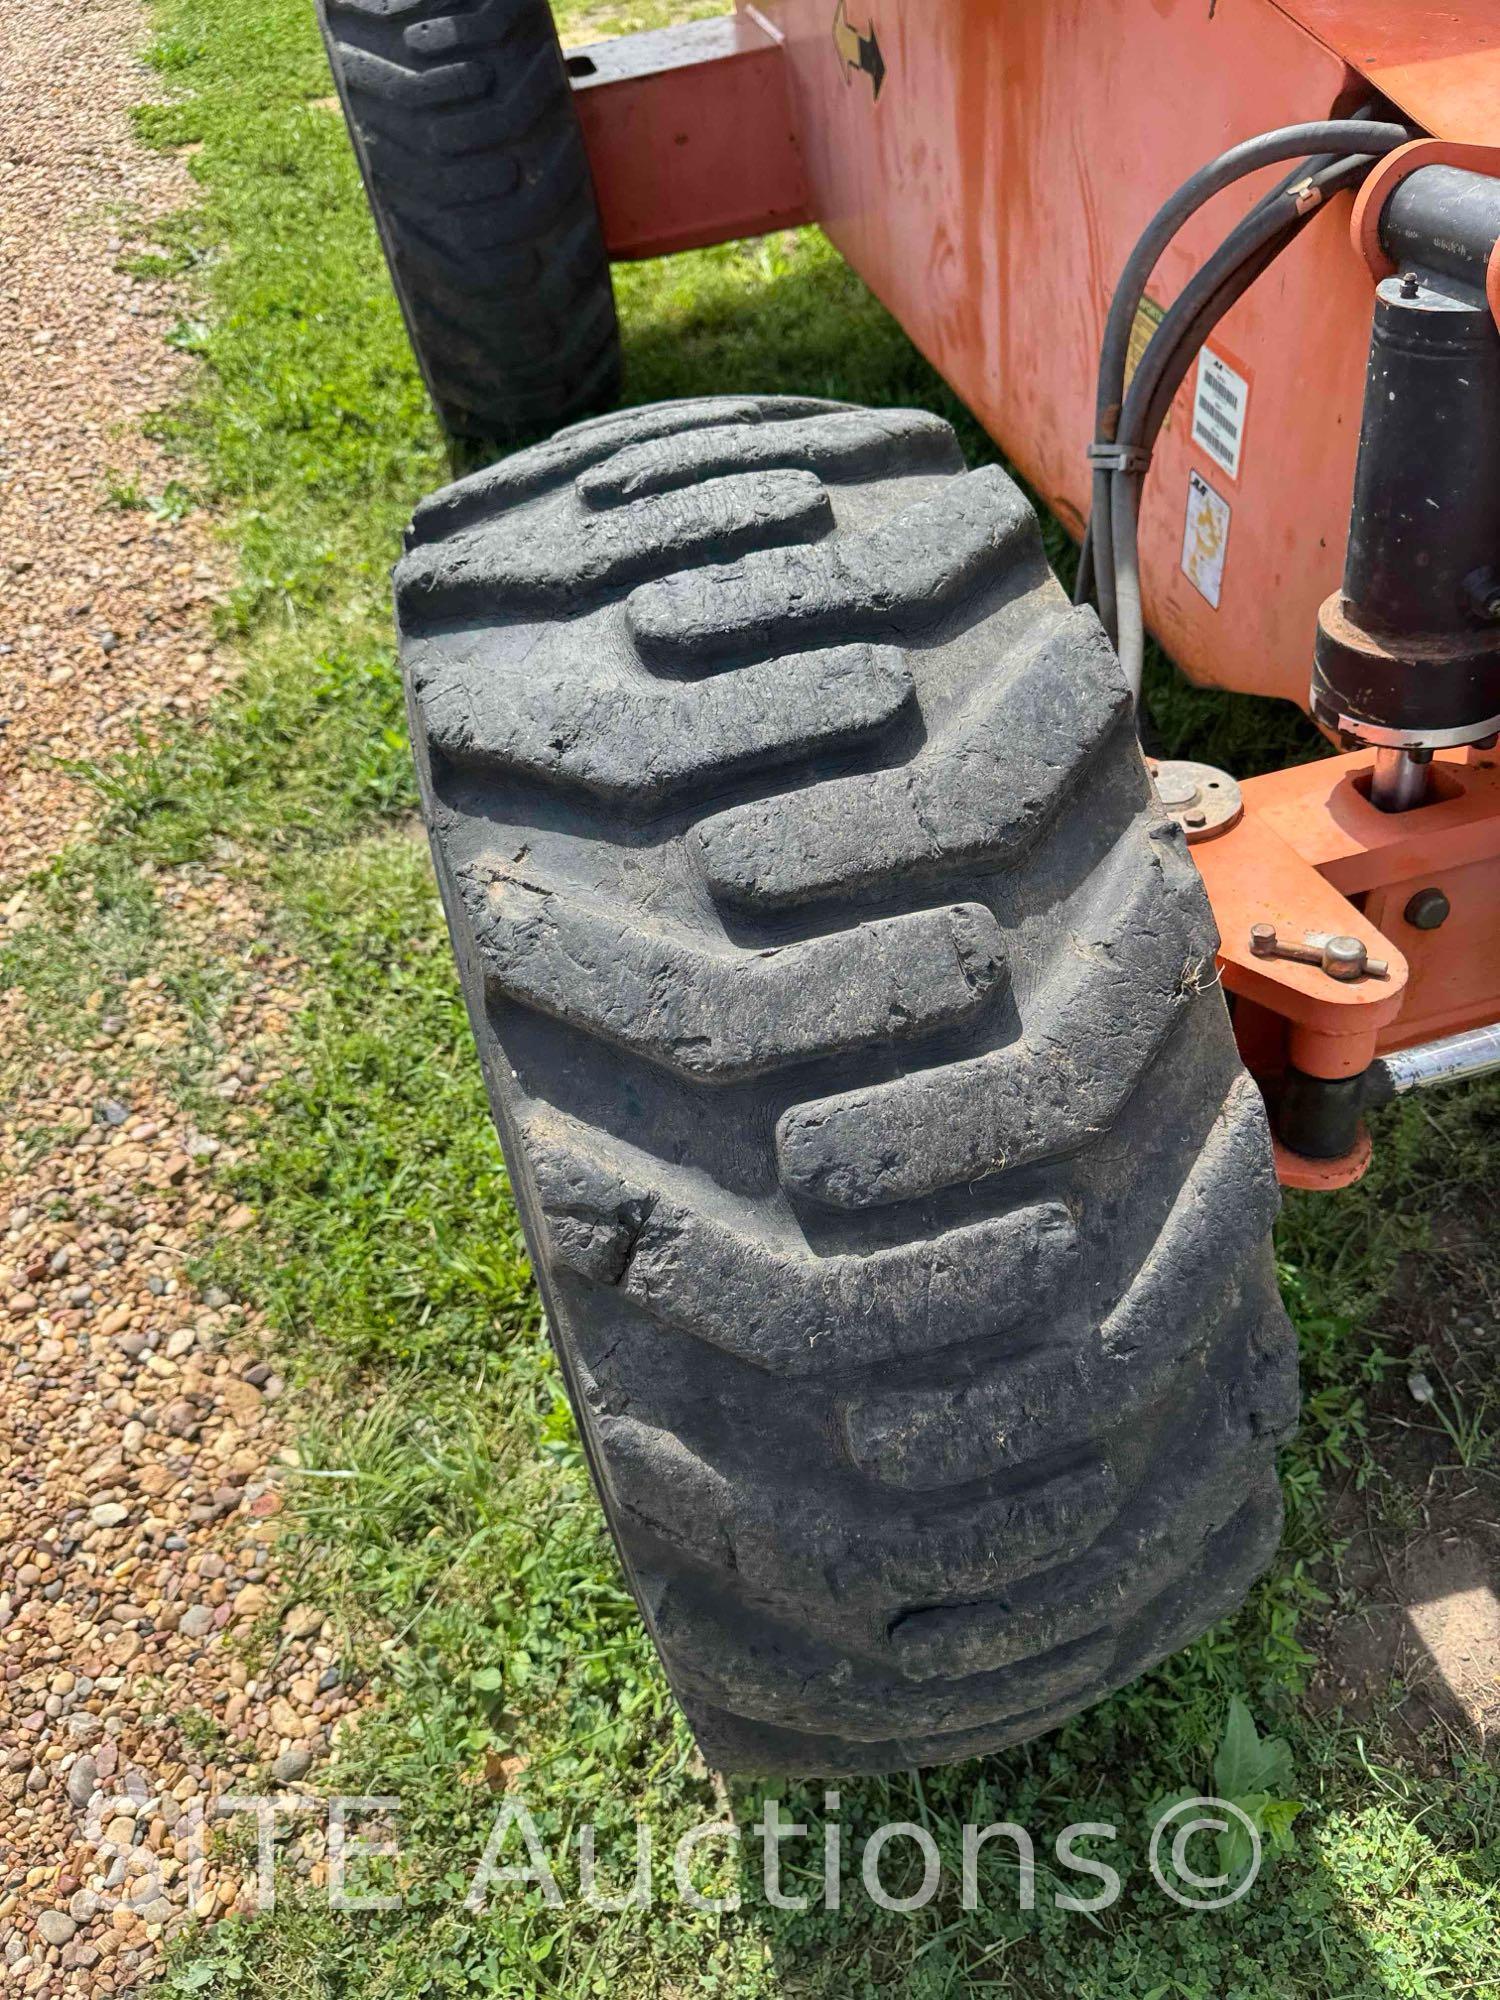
{"points": [[690, 136]]}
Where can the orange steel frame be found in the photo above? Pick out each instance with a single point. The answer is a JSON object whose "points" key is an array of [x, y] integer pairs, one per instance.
{"points": [[988, 192]]}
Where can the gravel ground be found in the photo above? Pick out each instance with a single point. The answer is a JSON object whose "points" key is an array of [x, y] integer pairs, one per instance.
{"points": [[150, 1666], [104, 607], [149, 1662]]}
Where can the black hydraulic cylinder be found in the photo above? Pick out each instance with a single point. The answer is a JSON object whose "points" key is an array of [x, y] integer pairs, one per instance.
{"points": [[1426, 511], [1408, 651]]}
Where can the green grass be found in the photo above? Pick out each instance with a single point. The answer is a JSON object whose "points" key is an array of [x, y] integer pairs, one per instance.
{"points": [[459, 1548]]}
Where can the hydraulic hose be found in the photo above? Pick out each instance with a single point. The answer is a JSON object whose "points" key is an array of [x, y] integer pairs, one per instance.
{"points": [[1226, 277], [1100, 503], [1336, 136], [1108, 563]]}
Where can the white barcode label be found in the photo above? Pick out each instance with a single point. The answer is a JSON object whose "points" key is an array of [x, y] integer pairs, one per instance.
{"points": [[1220, 402]]}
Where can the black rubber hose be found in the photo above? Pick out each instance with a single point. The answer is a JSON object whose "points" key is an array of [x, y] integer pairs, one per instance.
{"points": [[1225, 278], [1336, 136], [1372, 136], [1175, 373], [1100, 501], [1247, 251], [1084, 587], [1231, 270]]}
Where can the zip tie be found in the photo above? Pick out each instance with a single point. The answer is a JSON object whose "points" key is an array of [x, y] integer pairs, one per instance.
{"points": [[1119, 457]]}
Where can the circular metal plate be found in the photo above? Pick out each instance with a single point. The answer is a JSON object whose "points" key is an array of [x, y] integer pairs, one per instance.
{"points": [[1296, 1170], [1204, 801]]}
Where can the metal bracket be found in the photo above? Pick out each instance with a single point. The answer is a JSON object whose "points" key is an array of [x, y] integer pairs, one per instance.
{"points": [[1204, 801], [1314, 857], [1386, 176], [1119, 457], [690, 136]]}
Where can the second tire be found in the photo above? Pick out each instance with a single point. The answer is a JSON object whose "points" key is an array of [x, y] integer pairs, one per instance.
{"points": [[462, 120]]}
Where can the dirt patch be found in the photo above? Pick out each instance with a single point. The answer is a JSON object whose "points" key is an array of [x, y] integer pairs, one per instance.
{"points": [[1415, 1628], [1426, 1634], [1454, 1609]]}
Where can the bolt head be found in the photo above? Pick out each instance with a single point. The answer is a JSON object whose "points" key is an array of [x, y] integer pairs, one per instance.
{"points": [[1344, 958], [1427, 910]]}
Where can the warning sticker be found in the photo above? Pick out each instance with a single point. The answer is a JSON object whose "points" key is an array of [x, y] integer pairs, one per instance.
{"points": [[1148, 317], [1220, 402], [1205, 539]]}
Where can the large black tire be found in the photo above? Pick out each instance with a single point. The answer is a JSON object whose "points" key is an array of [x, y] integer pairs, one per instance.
{"points": [[899, 1203], [462, 120]]}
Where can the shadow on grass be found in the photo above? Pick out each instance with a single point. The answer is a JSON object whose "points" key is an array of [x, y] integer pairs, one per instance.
{"points": [[1292, 1932]]}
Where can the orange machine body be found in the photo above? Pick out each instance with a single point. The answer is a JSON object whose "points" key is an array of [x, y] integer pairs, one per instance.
{"points": [[991, 193]]}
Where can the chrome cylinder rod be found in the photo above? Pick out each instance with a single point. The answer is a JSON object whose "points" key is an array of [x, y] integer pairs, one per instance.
{"points": [[1454, 1059], [1399, 780]]}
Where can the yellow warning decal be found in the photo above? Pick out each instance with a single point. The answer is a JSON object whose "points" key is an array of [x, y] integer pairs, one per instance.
{"points": [[1148, 317]]}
